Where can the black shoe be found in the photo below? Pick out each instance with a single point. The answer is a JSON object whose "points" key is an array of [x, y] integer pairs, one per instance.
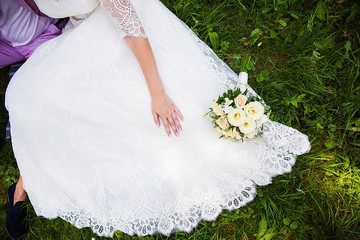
{"points": [[10, 194], [15, 224]]}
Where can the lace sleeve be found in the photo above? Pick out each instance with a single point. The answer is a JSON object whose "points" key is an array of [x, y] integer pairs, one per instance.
{"points": [[124, 16]]}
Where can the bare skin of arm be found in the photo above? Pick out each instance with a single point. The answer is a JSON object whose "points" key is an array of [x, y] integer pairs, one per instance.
{"points": [[161, 105]]}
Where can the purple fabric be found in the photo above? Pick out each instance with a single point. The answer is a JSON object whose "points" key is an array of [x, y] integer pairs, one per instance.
{"points": [[10, 54], [32, 7], [29, 48], [29, 5]]}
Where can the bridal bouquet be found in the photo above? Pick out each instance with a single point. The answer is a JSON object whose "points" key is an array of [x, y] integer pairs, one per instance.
{"points": [[236, 115]]}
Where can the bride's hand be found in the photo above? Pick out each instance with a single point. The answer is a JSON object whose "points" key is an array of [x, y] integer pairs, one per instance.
{"points": [[164, 108], [161, 105]]}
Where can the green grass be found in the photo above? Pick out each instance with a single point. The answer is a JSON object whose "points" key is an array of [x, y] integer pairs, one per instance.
{"points": [[305, 64]]}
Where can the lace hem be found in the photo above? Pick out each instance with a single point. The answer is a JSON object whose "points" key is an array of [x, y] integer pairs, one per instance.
{"points": [[285, 144]]}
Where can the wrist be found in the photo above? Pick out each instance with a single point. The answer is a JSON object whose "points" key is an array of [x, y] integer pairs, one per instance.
{"points": [[157, 92]]}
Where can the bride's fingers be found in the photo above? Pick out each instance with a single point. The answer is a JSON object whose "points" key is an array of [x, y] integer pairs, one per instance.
{"points": [[156, 118], [172, 124], [179, 113], [176, 120], [166, 125]]}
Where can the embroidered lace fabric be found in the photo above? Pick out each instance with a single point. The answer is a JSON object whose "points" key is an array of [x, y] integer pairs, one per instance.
{"points": [[87, 147], [124, 17]]}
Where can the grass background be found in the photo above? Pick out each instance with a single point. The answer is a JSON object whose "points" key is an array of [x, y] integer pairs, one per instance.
{"points": [[305, 65]]}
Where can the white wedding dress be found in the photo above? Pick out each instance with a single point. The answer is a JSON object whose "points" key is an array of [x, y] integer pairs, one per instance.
{"points": [[86, 143]]}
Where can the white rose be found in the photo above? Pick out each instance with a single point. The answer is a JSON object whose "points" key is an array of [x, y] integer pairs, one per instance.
{"points": [[240, 100], [248, 126], [223, 123], [254, 110], [250, 135], [217, 108], [236, 117], [227, 109]]}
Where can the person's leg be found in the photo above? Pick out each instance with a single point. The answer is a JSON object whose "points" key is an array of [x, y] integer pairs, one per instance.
{"points": [[20, 193]]}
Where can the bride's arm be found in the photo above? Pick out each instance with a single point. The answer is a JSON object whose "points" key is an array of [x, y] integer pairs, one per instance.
{"points": [[127, 22], [162, 106]]}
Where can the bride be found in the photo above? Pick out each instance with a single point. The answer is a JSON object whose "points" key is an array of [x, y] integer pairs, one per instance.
{"points": [[82, 111]]}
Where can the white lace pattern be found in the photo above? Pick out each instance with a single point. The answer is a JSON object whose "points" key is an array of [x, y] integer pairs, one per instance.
{"points": [[124, 17]]}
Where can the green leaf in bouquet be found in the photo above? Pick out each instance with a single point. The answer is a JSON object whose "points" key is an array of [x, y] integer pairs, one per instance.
{"points": [[220, 100], [237, 92], [229, 129], [253, 99]]}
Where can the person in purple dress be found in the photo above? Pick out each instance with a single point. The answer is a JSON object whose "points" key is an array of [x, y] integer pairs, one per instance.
{"points": [[22, 29]]}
